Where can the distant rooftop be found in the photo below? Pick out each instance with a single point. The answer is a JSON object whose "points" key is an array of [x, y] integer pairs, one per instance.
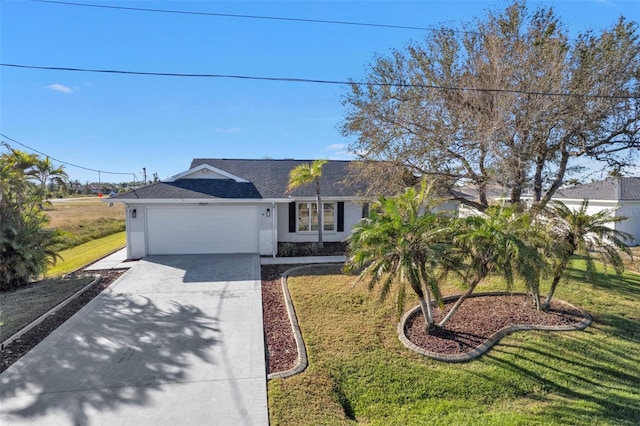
{"points": [[626, 188]]}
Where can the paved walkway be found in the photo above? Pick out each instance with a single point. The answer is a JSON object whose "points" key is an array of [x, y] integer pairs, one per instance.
{"points": [[116, 260], [177, 340], [301, 260]]}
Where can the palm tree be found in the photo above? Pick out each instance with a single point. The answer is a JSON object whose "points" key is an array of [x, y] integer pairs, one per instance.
{"points": [[305, 174], [45, 170], [493, 242], [25, 241], [402, 242], [577, 232]]}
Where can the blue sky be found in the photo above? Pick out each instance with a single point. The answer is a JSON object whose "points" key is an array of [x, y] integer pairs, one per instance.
{"points": [[123, 123]]}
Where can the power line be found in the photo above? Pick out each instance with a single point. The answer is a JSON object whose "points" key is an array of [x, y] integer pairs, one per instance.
{"points": [[66, 163], [231, 15], [319, 81]]}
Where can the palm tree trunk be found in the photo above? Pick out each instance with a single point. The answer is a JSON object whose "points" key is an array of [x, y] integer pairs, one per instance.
{"points": [[320, 212], [461, 299], [427, 313], [556, 279], [536, 299], [547, 303]]}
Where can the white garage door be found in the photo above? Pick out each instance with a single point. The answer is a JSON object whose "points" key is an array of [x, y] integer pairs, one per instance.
{"points": [[202, 229]]}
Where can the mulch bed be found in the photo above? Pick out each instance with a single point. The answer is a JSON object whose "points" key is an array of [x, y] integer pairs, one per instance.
{"points": [[282, 353], [480, 317], [17, 348]]}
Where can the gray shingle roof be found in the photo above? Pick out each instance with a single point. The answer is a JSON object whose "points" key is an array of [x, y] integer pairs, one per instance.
{"points": [[271, 177], [627, 188], [267, 179], [194, 188]]}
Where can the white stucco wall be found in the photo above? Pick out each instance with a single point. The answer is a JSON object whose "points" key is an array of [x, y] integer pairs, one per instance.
{"points": [[630, 210], [273, 225], [627, 208], [136, 244]]}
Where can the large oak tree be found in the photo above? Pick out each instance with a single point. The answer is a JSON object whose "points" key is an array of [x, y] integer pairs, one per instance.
{"points": [[512, 102]]}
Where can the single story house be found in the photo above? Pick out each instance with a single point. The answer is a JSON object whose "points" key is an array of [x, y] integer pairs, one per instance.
{"points": [[621, 195], [238, 206]]}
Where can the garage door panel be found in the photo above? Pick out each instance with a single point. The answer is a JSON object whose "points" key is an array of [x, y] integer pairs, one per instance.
{"points": [[198, 230]]}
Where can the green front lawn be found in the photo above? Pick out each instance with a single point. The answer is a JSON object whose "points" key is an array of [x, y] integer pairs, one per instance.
{"points": [[360, 373], [86, 253]]}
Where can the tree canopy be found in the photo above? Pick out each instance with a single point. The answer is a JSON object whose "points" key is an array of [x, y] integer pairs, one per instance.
{"points": [[512, 103]]}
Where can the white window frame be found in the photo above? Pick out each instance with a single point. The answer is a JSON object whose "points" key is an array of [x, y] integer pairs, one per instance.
{"points": [[309, 205]]}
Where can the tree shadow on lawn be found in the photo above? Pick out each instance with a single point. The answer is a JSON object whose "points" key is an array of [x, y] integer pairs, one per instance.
{"points": [[577, 371], [627, 286], [119, 353], [614, 315]]}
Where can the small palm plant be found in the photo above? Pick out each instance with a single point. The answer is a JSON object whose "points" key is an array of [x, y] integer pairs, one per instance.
{"points": [[305, 174], [402, 242], [577, 232], [493, 243]]}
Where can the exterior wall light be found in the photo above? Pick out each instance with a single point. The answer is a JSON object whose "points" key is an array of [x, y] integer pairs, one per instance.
{"points": [[268, 212], [134, 213]]}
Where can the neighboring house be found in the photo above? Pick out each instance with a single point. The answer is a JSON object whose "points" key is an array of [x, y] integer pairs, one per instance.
{"points": [[621, 194], [238, 206]]}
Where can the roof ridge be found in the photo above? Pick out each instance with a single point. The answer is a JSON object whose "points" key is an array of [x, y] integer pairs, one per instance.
{"points": [[270, 159]]}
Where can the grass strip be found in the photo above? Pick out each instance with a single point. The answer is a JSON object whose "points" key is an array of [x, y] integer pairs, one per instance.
{"points": [[23, 305], [86, 253]]}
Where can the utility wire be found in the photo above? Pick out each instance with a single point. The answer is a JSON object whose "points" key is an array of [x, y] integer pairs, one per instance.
{"points": [[231, 15], [60, 161], [317, 81]]}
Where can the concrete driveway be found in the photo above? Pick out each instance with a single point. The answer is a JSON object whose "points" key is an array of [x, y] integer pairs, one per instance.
{"points": [[177, 340]]}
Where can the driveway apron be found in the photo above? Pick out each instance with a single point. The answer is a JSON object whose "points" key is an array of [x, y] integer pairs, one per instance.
{"points": [[177, 340]]}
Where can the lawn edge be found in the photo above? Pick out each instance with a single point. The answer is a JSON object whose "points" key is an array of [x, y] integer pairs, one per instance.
{"points": [[491, 341]]}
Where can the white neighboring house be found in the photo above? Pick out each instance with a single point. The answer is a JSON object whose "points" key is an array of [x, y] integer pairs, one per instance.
{"points": [[622, 194], [239, 206]]}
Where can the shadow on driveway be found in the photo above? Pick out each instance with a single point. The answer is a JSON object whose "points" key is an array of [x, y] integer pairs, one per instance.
{"points": [[120, 353]]}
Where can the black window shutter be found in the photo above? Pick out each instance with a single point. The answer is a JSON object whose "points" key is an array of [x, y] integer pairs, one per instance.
{"points": [[365, 210], [292, 216], [340, 216]]}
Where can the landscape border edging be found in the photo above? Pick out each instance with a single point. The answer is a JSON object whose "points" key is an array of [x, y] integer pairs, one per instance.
{"points": [[302, 361], [492, 340]]}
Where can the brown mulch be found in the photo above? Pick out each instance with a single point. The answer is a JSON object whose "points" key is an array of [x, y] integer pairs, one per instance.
{"points": [[282, 353], [17, 348], [480, 317]]}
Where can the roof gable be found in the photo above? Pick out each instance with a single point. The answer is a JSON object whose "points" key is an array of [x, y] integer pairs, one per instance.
{"points": [[204, 171]]}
